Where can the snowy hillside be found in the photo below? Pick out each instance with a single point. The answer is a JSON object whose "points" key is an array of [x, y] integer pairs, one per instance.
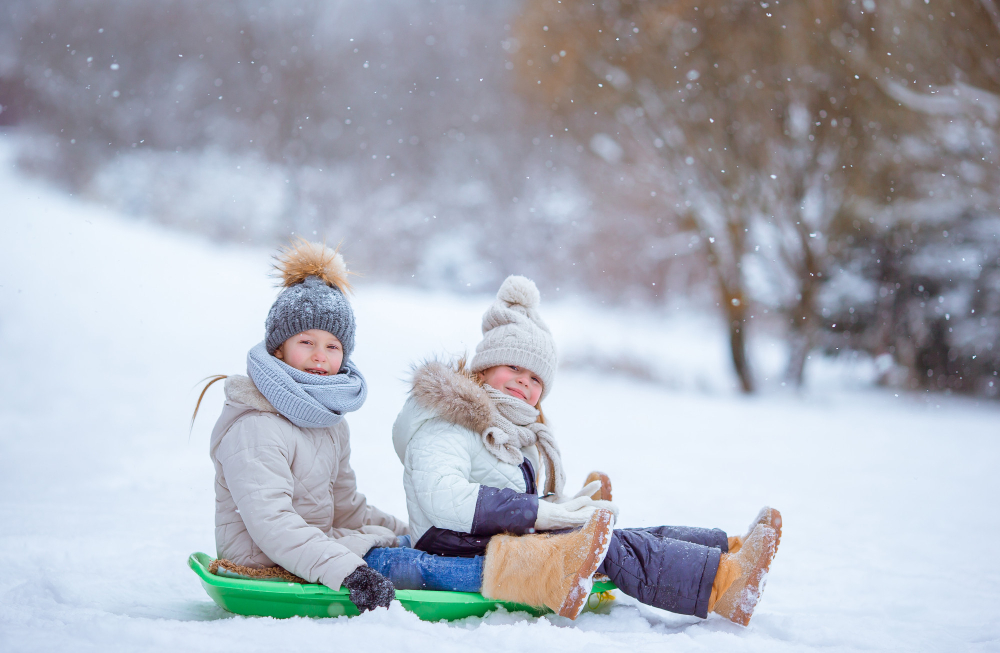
{"points": [[107, 324]]}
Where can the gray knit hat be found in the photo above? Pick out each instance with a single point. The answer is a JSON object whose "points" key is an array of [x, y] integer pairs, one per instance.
{"points": [[315, 279], [514, 333]]}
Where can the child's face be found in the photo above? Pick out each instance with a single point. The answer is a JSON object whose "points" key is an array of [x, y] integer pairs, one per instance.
{"points": [[314, 351], [514, 381]]}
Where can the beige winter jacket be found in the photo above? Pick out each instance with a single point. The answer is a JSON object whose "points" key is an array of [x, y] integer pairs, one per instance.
{"points": [[287, 496]]}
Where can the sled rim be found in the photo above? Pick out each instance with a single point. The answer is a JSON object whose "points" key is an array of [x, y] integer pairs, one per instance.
{"points": [[283, 599]]}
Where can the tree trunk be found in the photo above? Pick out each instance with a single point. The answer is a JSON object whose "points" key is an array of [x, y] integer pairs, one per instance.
{"points": [[804, 320], [736, 311], [801, 333], [800, 344], [733, 301]]}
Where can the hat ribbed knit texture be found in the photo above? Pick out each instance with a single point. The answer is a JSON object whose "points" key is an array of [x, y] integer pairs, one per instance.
{"points": [[514, 333], [311, 304]]}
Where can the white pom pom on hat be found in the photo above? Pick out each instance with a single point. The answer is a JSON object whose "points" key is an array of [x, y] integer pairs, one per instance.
{"points": [[514, 333], [519, 291]]}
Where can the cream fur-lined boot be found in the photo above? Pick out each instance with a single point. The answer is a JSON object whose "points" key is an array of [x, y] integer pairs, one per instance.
{"points": [[767, 516], [740, 579], [554, 570]]}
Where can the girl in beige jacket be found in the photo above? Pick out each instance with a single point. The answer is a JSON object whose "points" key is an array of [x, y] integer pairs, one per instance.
{"points": [[285, 493]]}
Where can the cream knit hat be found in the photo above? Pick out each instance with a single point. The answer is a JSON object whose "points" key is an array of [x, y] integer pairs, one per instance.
{"points": [[514, 333]]}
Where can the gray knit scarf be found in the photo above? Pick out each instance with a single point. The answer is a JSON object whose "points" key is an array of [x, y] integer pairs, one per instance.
{"points": [[514, 425], [307, 400]]}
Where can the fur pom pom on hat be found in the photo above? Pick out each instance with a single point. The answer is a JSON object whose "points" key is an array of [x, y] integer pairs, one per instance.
{"points": [[315, 278], [514, 333], [304, 259]]}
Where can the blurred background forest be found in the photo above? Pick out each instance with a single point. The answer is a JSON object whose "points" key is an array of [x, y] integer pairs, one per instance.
{"points": [[825, 171]]}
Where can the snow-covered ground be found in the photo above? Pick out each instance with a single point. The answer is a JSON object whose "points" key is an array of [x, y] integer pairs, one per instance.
{"points": [[107, 324]]}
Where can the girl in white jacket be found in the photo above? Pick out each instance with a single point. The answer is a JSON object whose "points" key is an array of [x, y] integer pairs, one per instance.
{"points": [[285, 493], [472, 440]]}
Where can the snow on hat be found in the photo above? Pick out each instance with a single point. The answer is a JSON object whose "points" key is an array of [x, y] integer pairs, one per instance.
{"points": [[315, 280], [514, 333]]}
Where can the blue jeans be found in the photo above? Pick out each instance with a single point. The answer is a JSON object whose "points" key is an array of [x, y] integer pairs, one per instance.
{"points": [[668, 567], [410, 569]]}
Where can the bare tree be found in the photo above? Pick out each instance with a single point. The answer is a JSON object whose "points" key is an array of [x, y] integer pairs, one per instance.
{"points": [[766, 123]]}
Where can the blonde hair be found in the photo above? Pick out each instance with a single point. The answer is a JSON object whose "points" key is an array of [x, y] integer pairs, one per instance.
{"points": [[211, 380]]}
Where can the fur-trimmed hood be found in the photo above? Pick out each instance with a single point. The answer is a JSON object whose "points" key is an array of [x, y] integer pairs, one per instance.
{"points": [[439, 438], [452, 394], [241, 389], [441, 390]]}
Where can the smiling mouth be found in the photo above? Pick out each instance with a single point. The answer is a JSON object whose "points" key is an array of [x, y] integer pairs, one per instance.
{"points": [[317, 371], [517, 393]]}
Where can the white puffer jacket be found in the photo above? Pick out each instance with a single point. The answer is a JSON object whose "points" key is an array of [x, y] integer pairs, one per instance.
{"points": [[445, 464], [286, 495]]}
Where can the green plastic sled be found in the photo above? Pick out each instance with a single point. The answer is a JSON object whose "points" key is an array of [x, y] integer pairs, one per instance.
{"points": [[265, 598]]}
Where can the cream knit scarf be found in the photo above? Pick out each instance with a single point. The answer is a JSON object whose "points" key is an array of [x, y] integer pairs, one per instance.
{"points": [[514, 425]]}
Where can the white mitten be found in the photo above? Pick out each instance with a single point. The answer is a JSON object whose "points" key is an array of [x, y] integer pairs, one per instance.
{"points": [[607, 505], [582, 498], [574, 512], [588, 490]]}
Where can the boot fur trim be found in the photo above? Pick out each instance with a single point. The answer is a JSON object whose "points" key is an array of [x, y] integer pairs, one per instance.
{"points": [[554, 570]]}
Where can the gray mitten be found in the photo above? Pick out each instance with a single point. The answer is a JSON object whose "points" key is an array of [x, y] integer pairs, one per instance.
{"points": [[369, 589]]}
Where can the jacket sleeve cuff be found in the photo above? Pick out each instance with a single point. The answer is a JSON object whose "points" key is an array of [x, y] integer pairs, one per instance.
{"points": [[503, 510], [357, 543], [334, 577]]}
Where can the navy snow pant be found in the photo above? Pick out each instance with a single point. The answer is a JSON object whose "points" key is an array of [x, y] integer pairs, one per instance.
{"points": [[668, 567]]}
